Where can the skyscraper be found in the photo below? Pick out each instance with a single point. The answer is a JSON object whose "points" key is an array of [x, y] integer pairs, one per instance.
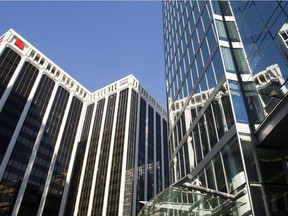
{"points": [[126, 158], [65, 150], [221, 121]]}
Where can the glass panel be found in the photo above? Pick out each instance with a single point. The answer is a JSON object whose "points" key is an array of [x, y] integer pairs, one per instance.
{"points": [[194, 73], [233, 165], [211, 38], [203, 84], [202, 178], [200, 63], [179, 201], [225, 8], [189, 81], [222, 111], [200, 29], [239, 107], [219, 172], [197, 144], [211, 78], [233, 33], [211, 126], [250, 162], [254, 105], [218, 66], [228, 110], [221, 30], [241, 61], [204, 139], [206, 17], [210, 176], [205, 52], [257, 194], [228, 60]]}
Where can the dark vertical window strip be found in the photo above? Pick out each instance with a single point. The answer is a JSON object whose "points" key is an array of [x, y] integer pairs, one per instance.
{"points": [[141, 156], [85, 192], [158, 154], [56, 188], [21, 153], [15, 104], [128, 193], [166, 154], [185, 147], [37, 178], [9, 61], [103, 159], [87, 122], [197, 144], [186, 154], [150, 165], [78, 162], [117, 159]]}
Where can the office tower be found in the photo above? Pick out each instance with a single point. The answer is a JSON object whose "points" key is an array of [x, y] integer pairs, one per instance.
{"points": [[126, 150], [221, 131], [63, 146]]}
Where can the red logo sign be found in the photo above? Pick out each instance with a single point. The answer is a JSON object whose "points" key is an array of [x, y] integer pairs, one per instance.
{"points": [[19, 44]]}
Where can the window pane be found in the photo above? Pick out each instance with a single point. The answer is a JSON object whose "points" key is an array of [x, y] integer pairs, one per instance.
{"points": [[228, 60], [233, 164], [241, 61], [221, 184], [210, 176], [233, 33], [221, 30]]}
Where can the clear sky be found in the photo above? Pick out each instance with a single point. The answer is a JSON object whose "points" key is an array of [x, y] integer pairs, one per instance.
{"points": [[96, 42]]}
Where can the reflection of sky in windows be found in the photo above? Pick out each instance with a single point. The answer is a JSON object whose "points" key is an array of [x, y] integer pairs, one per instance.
{"points": [[237, 99], [259, 32]]}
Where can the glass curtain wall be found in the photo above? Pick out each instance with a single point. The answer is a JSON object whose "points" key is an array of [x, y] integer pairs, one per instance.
{"points": [[212, 90]]}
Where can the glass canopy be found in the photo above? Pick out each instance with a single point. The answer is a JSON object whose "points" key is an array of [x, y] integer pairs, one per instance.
{"points": [[180, 201]]}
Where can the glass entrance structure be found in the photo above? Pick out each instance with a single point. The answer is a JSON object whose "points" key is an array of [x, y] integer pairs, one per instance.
{"points": [[182, 201]]}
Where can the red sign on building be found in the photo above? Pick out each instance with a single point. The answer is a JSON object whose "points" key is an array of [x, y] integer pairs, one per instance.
{"points": [[19, 44]]}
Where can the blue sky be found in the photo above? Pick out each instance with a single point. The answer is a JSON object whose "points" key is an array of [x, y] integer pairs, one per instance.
{"points": [[96, 42]]}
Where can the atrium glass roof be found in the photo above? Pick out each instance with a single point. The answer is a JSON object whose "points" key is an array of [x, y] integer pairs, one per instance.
{"points": [[181, 201]]}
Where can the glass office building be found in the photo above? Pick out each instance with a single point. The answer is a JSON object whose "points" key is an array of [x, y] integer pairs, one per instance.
{"points": [[225, 84], [67, 151]]}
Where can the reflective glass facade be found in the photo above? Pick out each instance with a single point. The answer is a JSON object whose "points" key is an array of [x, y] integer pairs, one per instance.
{"points": [[67, 151], [225, 80]]}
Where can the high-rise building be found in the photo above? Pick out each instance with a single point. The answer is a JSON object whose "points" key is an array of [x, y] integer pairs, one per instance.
{"points": [[67, 151], [126, 157], [226, 156]]}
